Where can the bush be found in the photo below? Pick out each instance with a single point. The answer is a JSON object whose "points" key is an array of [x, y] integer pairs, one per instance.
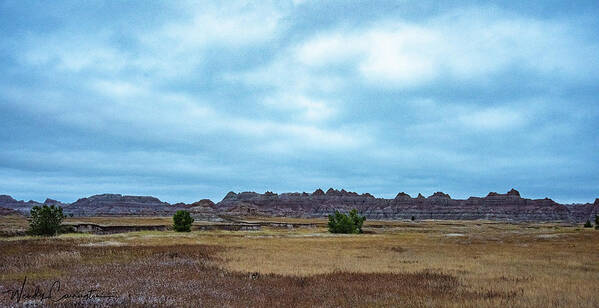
{"points": [[341, 223], [182, 221], [45, 220], [588, 224], [597, 222]]}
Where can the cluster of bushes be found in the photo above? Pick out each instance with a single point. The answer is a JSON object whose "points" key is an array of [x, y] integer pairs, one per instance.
{"points": [[588, 224], [341, 223]]}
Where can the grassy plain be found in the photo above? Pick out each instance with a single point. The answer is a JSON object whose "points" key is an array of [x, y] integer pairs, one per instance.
{"points": [[413, 264]]}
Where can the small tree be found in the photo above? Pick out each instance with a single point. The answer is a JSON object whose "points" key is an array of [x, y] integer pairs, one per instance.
{"points": [[357, 220], [597, 222], [45, 220], [341, 223], [182, 221], [588, 224]]}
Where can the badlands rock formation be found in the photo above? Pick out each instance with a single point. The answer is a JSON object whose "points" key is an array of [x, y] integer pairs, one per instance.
{"points": [[508, 207], [23, 207], [19, 206], [5, 212], [116, 204]]}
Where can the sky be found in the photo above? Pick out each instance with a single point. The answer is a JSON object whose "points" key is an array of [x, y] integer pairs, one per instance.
{"points": [[190, 100]]}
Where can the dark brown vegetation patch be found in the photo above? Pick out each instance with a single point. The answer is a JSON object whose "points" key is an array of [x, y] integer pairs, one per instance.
{"points": [[189, 275]]}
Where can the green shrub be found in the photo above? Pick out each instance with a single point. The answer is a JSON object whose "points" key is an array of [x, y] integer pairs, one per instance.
{"points": [[341, 223], [45, 220], [182, 221], [597, 222], [588, 224]]}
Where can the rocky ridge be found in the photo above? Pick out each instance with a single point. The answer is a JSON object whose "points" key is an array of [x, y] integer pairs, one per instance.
{"points": [[113, 205], [5, 212], [116, 204], [505, 207], [9, 202]]}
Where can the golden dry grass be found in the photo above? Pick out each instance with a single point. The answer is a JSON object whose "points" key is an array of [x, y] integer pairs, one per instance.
{"points": [[428, 263], [13, 224], [252, 219]]}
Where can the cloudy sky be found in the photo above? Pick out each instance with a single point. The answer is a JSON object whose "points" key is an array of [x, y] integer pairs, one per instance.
{"points": [[185, 101]]}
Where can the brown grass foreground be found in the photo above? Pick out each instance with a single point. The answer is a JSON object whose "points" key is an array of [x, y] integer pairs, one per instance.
{"points": [[395, 264]]}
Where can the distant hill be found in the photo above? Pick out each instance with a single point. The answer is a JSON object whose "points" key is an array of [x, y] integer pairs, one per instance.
{"points": [[8, 202], [112, 205], [5, 212], [504, 207]]}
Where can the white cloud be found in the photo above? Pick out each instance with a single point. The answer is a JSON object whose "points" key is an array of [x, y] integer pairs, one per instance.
{"points": [[405, 56], [316, 94], [329, 48], [73, 52], [285, 74], [174, 49], [117, 89], [299, 2], [307, 109], [463, 44], [398, 52], [141, 112], [170, 49], [493, 119], [294, 137], [461, 119], [231, 25]]}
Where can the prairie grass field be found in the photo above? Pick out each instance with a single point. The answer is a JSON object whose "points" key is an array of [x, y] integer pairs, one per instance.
{"points": [[410, 264]]}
